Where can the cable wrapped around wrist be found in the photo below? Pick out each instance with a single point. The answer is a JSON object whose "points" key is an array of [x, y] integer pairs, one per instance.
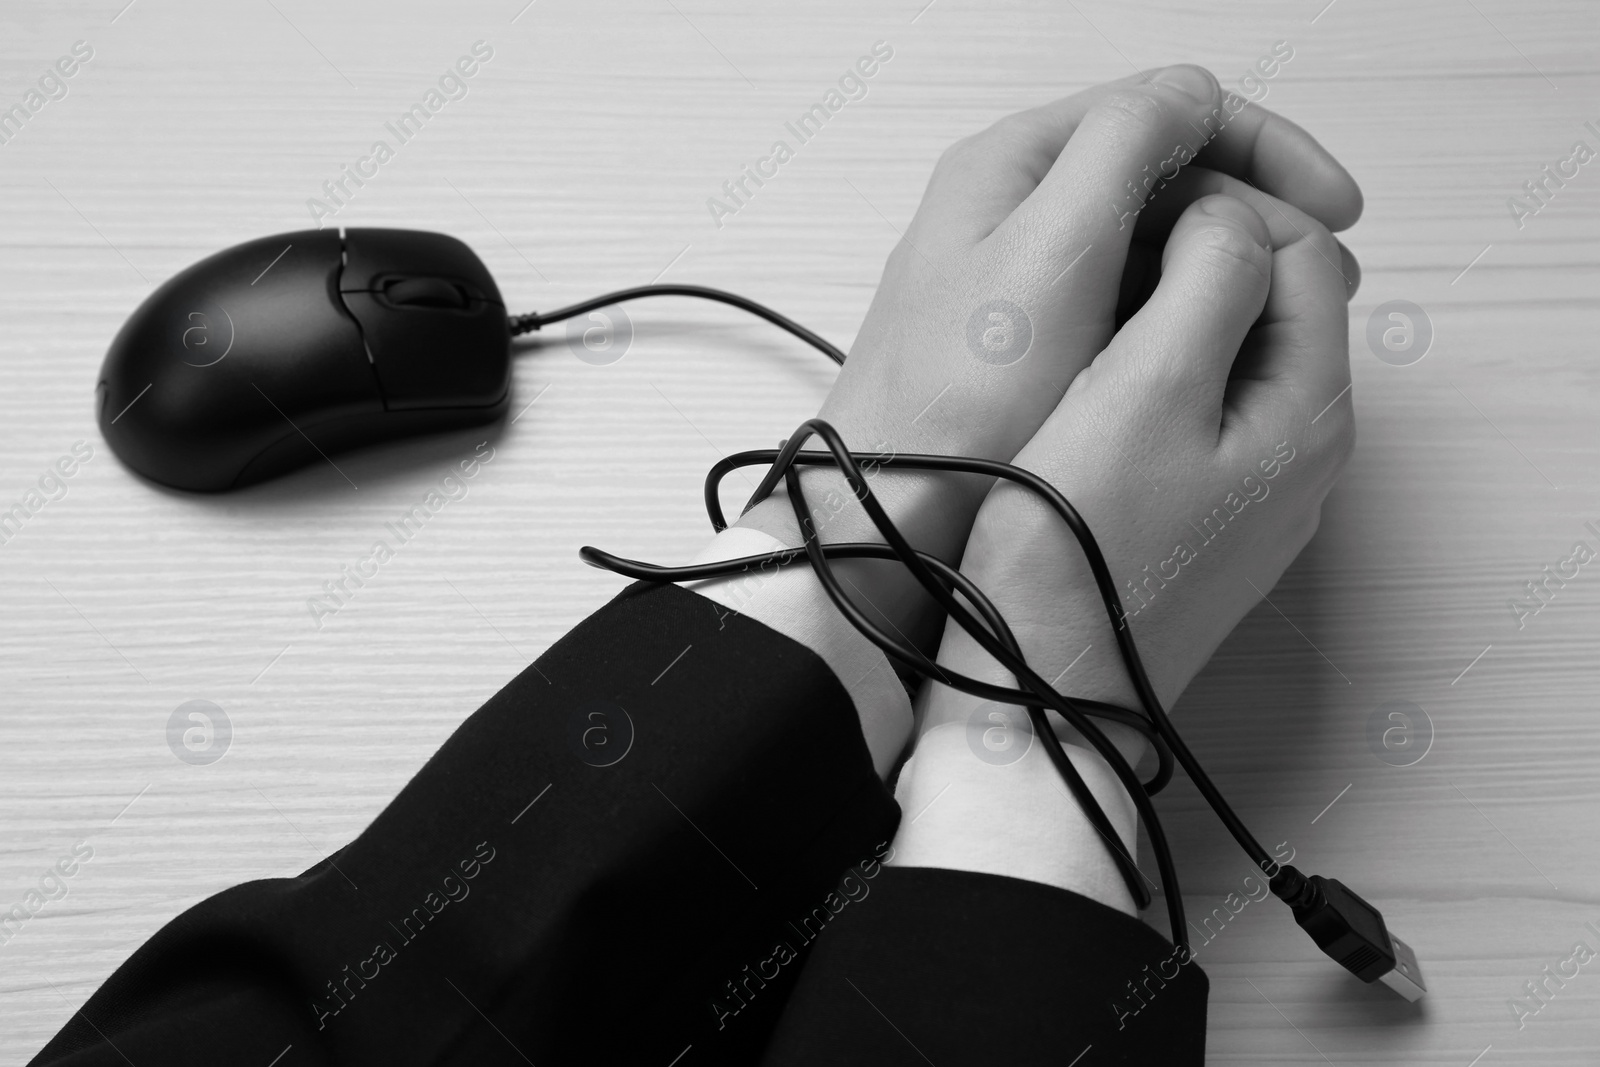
{"points": [[944, 583]]}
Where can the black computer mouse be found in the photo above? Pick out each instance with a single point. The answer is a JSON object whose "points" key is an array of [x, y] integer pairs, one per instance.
{"points": [[284, 350]]}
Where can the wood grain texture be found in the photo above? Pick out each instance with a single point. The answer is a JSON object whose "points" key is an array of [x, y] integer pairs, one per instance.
{"points": [[580, 161]]}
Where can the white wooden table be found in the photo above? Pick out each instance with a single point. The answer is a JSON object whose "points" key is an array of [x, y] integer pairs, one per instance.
{"points": [[580, 160]]}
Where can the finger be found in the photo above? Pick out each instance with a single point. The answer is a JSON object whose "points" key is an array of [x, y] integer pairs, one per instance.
{"points": [[1300, 340], [1296, 361], [1286, 222], [1296, 358], [1268, 151], [1143, 272], [1088, 203], [981, 179], [1350, 267], [1215, 277]]}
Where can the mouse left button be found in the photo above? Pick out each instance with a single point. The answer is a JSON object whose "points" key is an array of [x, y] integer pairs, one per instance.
{"points": [[230, 356]]}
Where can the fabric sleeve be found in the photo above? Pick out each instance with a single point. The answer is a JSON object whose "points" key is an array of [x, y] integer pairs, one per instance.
{"points": [[792, 601], [597, 867], [959, 968]]}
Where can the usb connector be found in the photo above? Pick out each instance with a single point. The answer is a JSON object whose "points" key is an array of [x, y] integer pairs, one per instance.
{"points": [[1405, 977], [1350, 930]]}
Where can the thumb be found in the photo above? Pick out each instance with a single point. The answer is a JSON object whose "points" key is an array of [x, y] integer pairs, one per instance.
{"points": [[1215, 273]]}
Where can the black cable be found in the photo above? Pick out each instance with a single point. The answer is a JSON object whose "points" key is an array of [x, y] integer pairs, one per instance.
{"points": [[917, 661], [1038, 690], [959, 465], [1346, 927], [521, 324], [952, 578], [1097, 566], [1132, 876], [788, 557]]}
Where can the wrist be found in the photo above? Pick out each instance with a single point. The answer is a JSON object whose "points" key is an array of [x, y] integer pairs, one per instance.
{"points": [[1025, 559], [933, 512], [789, 599], [984, 796], [943, 706]]}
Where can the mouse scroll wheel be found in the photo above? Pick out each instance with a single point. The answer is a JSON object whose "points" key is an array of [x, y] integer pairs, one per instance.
{"points": [[424, 293]]}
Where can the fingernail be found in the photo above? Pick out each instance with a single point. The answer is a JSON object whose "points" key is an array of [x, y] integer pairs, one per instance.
{"points": [[1192, 81], [1234, 210], [1351, 271]]}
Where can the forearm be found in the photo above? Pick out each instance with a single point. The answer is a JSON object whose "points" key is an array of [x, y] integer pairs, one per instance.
{"points": [[981, 794], [640, 811]]}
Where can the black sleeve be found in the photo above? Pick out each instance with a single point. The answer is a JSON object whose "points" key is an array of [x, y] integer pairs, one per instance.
{"points": [[926, 965], [596, 868], [626, 856]]}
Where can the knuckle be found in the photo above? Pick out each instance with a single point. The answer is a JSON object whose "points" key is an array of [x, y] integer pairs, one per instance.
{"points": [[1009, 127], [1342, 441], [1329, 447], [954, 157], [1322, 241], [1007, 136], [1309, 522], [955, 150], [1229, 248], [1129, 109], [1083, 383]]}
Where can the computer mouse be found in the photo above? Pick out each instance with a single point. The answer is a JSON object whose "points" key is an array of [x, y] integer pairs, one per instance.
{"points": [[286, 350]]}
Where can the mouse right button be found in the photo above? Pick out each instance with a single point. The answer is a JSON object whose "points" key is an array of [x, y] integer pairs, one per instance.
{"points": [[374, 255], [430, 355]]}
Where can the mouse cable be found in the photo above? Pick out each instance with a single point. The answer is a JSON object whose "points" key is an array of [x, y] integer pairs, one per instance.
{"points": [[521, 324], [783, 464], [913, 658], [1342, 924]]}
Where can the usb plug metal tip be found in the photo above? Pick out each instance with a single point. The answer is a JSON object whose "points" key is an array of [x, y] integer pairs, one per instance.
{"points": [[1405, 977]]}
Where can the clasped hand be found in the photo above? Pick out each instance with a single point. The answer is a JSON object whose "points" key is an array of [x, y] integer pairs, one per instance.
{"points": [[1170, 352]]}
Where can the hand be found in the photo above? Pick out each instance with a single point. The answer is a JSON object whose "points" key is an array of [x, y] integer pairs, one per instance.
{"points": [[1036, 212], [1198, 447]]}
